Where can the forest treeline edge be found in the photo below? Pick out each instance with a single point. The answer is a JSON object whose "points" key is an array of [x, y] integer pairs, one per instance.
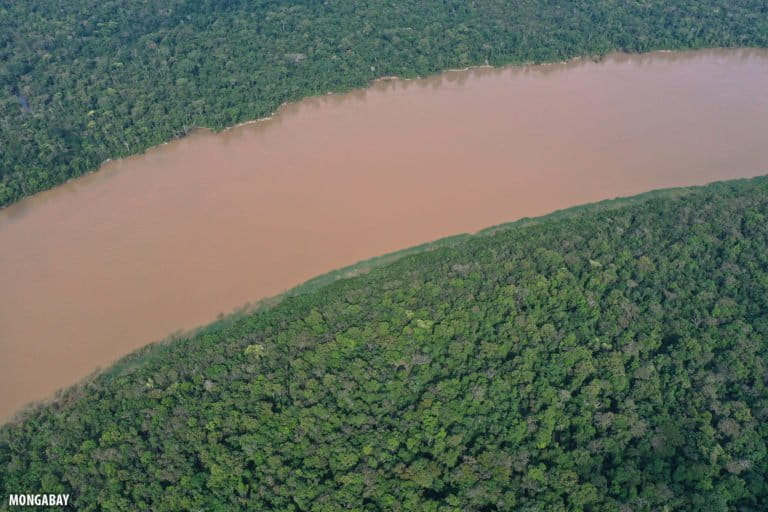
{"points": [[609, 358], [90, 81]]}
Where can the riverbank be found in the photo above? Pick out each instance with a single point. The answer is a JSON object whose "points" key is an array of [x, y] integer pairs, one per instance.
{"points": [[155, 350], [150, 82]]}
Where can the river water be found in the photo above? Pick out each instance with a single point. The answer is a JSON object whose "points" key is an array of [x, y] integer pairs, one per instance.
{"points": [[167, 240]]}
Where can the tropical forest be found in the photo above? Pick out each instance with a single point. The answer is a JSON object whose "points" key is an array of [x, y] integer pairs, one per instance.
{"points": [[605, 357]]}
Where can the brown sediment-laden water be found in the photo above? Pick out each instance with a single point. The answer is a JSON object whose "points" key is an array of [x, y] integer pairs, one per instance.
{"points": [[167, 240]]}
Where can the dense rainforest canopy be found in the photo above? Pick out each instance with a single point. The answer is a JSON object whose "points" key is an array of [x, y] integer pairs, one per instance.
{"points": [[607, 359], [82, 81]]}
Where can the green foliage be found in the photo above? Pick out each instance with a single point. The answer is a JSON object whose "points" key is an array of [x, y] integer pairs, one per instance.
{"points": [[507, 371], [85, 80]]}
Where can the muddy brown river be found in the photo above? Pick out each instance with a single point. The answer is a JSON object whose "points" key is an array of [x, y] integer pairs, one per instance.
{"points": [[169, 239]]}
